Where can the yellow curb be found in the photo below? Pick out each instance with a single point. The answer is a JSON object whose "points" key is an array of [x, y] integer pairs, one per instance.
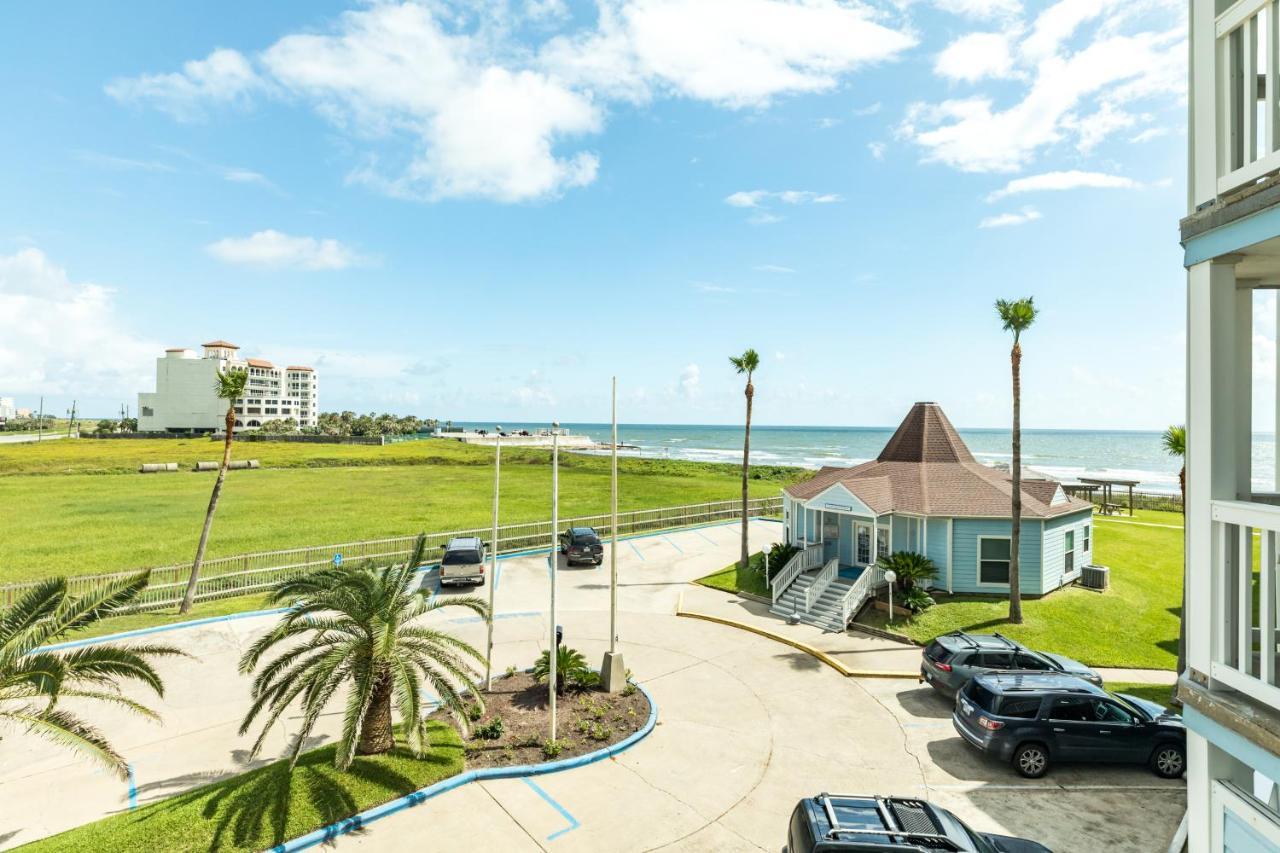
{"points": [[796, 644]]}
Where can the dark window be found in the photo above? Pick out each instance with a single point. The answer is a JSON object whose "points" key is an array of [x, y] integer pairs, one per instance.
{"points": [[996, 660], [1076, 709], [1025, 661], [1086, 539], [1022, 707], [993, 561], [937, 652], [1109, 712], [586, 539], [982, 697], [461, 558]]}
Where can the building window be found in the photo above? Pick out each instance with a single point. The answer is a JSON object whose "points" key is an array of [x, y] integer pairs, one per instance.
{"points": [[882, 542], [864, 544], [148, 412], [1085, 530], [993, 560], [1069, 547]]}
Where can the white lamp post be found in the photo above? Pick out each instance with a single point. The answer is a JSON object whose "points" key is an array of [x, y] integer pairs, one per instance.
{"points": [[493, 557], [614, 672], [891, 576], [555, 565]]}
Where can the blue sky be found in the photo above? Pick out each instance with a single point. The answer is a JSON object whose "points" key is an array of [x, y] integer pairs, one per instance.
{"points": [[484, 210]]}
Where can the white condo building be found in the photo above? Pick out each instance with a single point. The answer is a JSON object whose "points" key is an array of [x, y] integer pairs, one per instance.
{"points": [[7, 410], [184, 399], [1231, 236]]}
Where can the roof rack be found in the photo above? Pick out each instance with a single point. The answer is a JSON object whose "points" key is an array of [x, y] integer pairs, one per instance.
{"points": [[893, 831], [1013, 644], [963, 636]]}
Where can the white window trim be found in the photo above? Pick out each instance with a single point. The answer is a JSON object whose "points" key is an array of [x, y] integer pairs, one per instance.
{"points": [[978, 562], [1223, 798]]}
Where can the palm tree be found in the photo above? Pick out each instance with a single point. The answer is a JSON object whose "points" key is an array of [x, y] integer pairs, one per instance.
{"points": [[571, 668], [746, 363], [34, 680], [355, 627], [1017, 316], [910, 568], [229, 386], [1175, 444]]}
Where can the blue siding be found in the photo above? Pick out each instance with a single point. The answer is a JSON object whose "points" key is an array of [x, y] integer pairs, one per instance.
{"points": [[1054, 546], [936, 549], [846, 540], [964, 554]]}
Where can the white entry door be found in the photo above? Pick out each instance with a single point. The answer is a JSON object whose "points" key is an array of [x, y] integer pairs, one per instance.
{"points": [[862, 538]]}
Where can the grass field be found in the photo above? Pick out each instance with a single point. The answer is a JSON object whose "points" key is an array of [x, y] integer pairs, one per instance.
{"points": [[729, 579], [67, 514], [1134, 624], [269, 805]]}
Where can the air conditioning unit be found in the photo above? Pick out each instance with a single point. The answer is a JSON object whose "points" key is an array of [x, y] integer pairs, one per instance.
{"points": [[1095, 577]]}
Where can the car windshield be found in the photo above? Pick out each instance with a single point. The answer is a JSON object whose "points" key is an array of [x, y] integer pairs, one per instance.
{"points": [[458, 558], [938, 652], [1144, 710]]}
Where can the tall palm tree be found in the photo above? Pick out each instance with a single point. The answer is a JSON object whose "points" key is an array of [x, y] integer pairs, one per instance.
{"points": [[33, 681], [746, 363], [356, 627], [1016, 316], [229, 386], [1175, 444]]}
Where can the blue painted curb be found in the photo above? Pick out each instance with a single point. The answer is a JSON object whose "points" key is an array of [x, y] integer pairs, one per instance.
{"points": [[364, 818]]}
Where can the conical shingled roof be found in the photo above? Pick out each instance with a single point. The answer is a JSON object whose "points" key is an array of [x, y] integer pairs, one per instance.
{"points": [[926, 469], [925, 435]]}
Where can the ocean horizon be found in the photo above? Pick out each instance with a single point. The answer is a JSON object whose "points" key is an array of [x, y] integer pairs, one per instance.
{"points": [[1064, 454]]}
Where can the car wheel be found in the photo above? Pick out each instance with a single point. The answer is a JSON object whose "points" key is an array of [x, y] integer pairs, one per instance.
{"points": [[598, 562], [1169, 761], [1031, 760]]}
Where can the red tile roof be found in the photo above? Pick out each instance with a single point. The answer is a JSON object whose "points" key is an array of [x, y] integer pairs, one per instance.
{"points": [[222, 344], [926, 469], [297, 367], [258, 362]]}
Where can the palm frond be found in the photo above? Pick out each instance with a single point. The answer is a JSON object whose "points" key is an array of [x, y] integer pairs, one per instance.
{"points": [[69, 731]]}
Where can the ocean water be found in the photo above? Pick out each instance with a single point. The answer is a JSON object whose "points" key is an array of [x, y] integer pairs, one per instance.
{"points": [[1062, 454]]}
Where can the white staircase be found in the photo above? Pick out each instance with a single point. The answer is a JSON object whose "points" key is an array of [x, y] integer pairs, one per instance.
{"points": [[827, 609]]}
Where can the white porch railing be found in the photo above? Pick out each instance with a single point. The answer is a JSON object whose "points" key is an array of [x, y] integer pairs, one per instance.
{"points": [[1244, 643], [820, 583], [866, 584], [808, 558], [1244, 76]]}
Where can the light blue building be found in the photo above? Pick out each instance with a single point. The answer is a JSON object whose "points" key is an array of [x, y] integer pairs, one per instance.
{"points": [[926, 493]]}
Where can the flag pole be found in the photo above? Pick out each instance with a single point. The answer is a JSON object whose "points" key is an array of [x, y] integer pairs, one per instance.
{"points": [[493, 558], [554, 558], [613, 671]]}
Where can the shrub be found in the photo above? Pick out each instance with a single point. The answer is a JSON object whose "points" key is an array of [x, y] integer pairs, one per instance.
{"points": [[491, 730], [474, 712], [571, 670], [779, 555], [911, 568], [916, 600], [552, 748]]}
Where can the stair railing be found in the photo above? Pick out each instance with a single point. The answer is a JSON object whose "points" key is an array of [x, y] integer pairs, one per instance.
{"points": [[867, 583], [808, 558], [820, 583]]}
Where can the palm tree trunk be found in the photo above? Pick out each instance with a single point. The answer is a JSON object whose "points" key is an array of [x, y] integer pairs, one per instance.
{"points": [[376, 734], [745, 560], [189, 597], [1015, 538]]}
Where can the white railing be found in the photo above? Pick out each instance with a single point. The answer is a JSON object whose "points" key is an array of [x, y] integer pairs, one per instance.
{"points": [[1244, 643], [862, 589], [820, 584], [808, 558], [1245, 75]]}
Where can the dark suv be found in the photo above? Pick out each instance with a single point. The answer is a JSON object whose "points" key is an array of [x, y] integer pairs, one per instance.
{"points": [[581, 545], [951, 660], [839, 822], [1036, 719]]}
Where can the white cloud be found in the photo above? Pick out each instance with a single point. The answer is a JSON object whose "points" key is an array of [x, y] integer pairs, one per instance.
{"points": [[1004, 220], [1082, 65], [123, 164], [484, 115], [983, 9], [223, 77], [869, 110], [690, 381], [756, 198], [1066, 180], [272, 249], [975, 57], [877, 149], [775, 268], [1150, 134], [711, 287], [62, 337]]}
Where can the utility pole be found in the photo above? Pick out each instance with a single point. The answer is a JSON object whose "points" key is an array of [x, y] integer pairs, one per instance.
{"points": [[613, 670], [40, 423], [555, 566], [493, 558], [71, 421]]}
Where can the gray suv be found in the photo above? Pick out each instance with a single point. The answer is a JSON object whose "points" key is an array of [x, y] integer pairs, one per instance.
{"points": [[952, 660]]}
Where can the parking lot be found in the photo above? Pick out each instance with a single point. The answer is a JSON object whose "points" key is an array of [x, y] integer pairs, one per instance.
{"points": [[746, 726]]}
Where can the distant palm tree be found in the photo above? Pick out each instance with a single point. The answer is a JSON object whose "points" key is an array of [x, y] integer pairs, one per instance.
{"points": [[1175, 444], [746, 363], [33, 681], [1016, 316], [229, 386], [357, 628]]}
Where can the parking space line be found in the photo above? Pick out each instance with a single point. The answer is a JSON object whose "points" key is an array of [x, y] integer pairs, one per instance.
{"points": [[133, 787], [706, 537], [672, 544], [637, 550], [573, 822]]}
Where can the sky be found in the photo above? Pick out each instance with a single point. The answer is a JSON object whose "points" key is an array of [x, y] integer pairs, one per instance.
{"points": [[485, 210]]}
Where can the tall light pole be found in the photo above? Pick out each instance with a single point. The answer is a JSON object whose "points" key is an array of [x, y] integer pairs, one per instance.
{"points": [[493, 557], [555, 565], [613, 671]]}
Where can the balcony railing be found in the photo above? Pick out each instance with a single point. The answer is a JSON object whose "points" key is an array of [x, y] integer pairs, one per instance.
{"points": [[1246, 92], [1244, 645]]}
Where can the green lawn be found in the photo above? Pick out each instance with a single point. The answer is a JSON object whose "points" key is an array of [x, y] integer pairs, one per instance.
{"points": [[1134, 624], [84, 523], [266, 806], [1161, 693], [729, 579]]}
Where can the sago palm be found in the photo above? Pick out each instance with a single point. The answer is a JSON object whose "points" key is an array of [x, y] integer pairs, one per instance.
{"points": [[358, 629], [571, 668], [912, 569], [746, 363], [1016, 316], [33, 680], [229, 386]]}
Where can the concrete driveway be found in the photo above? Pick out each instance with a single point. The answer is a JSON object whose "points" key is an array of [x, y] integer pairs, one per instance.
{"points": [[746, 727]]}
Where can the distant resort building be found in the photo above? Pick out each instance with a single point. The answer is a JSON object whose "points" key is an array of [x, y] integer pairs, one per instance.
{"points": [[184, 400], [926, 493]]}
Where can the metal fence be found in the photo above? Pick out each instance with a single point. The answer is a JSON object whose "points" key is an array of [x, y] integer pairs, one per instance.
{"points": [[225, 577]]}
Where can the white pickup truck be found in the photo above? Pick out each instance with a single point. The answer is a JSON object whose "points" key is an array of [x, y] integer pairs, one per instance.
{"points": [[463, 562]]}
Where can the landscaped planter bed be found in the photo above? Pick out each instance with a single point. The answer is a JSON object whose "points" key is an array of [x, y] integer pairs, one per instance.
{"points": [[586, 720]]}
